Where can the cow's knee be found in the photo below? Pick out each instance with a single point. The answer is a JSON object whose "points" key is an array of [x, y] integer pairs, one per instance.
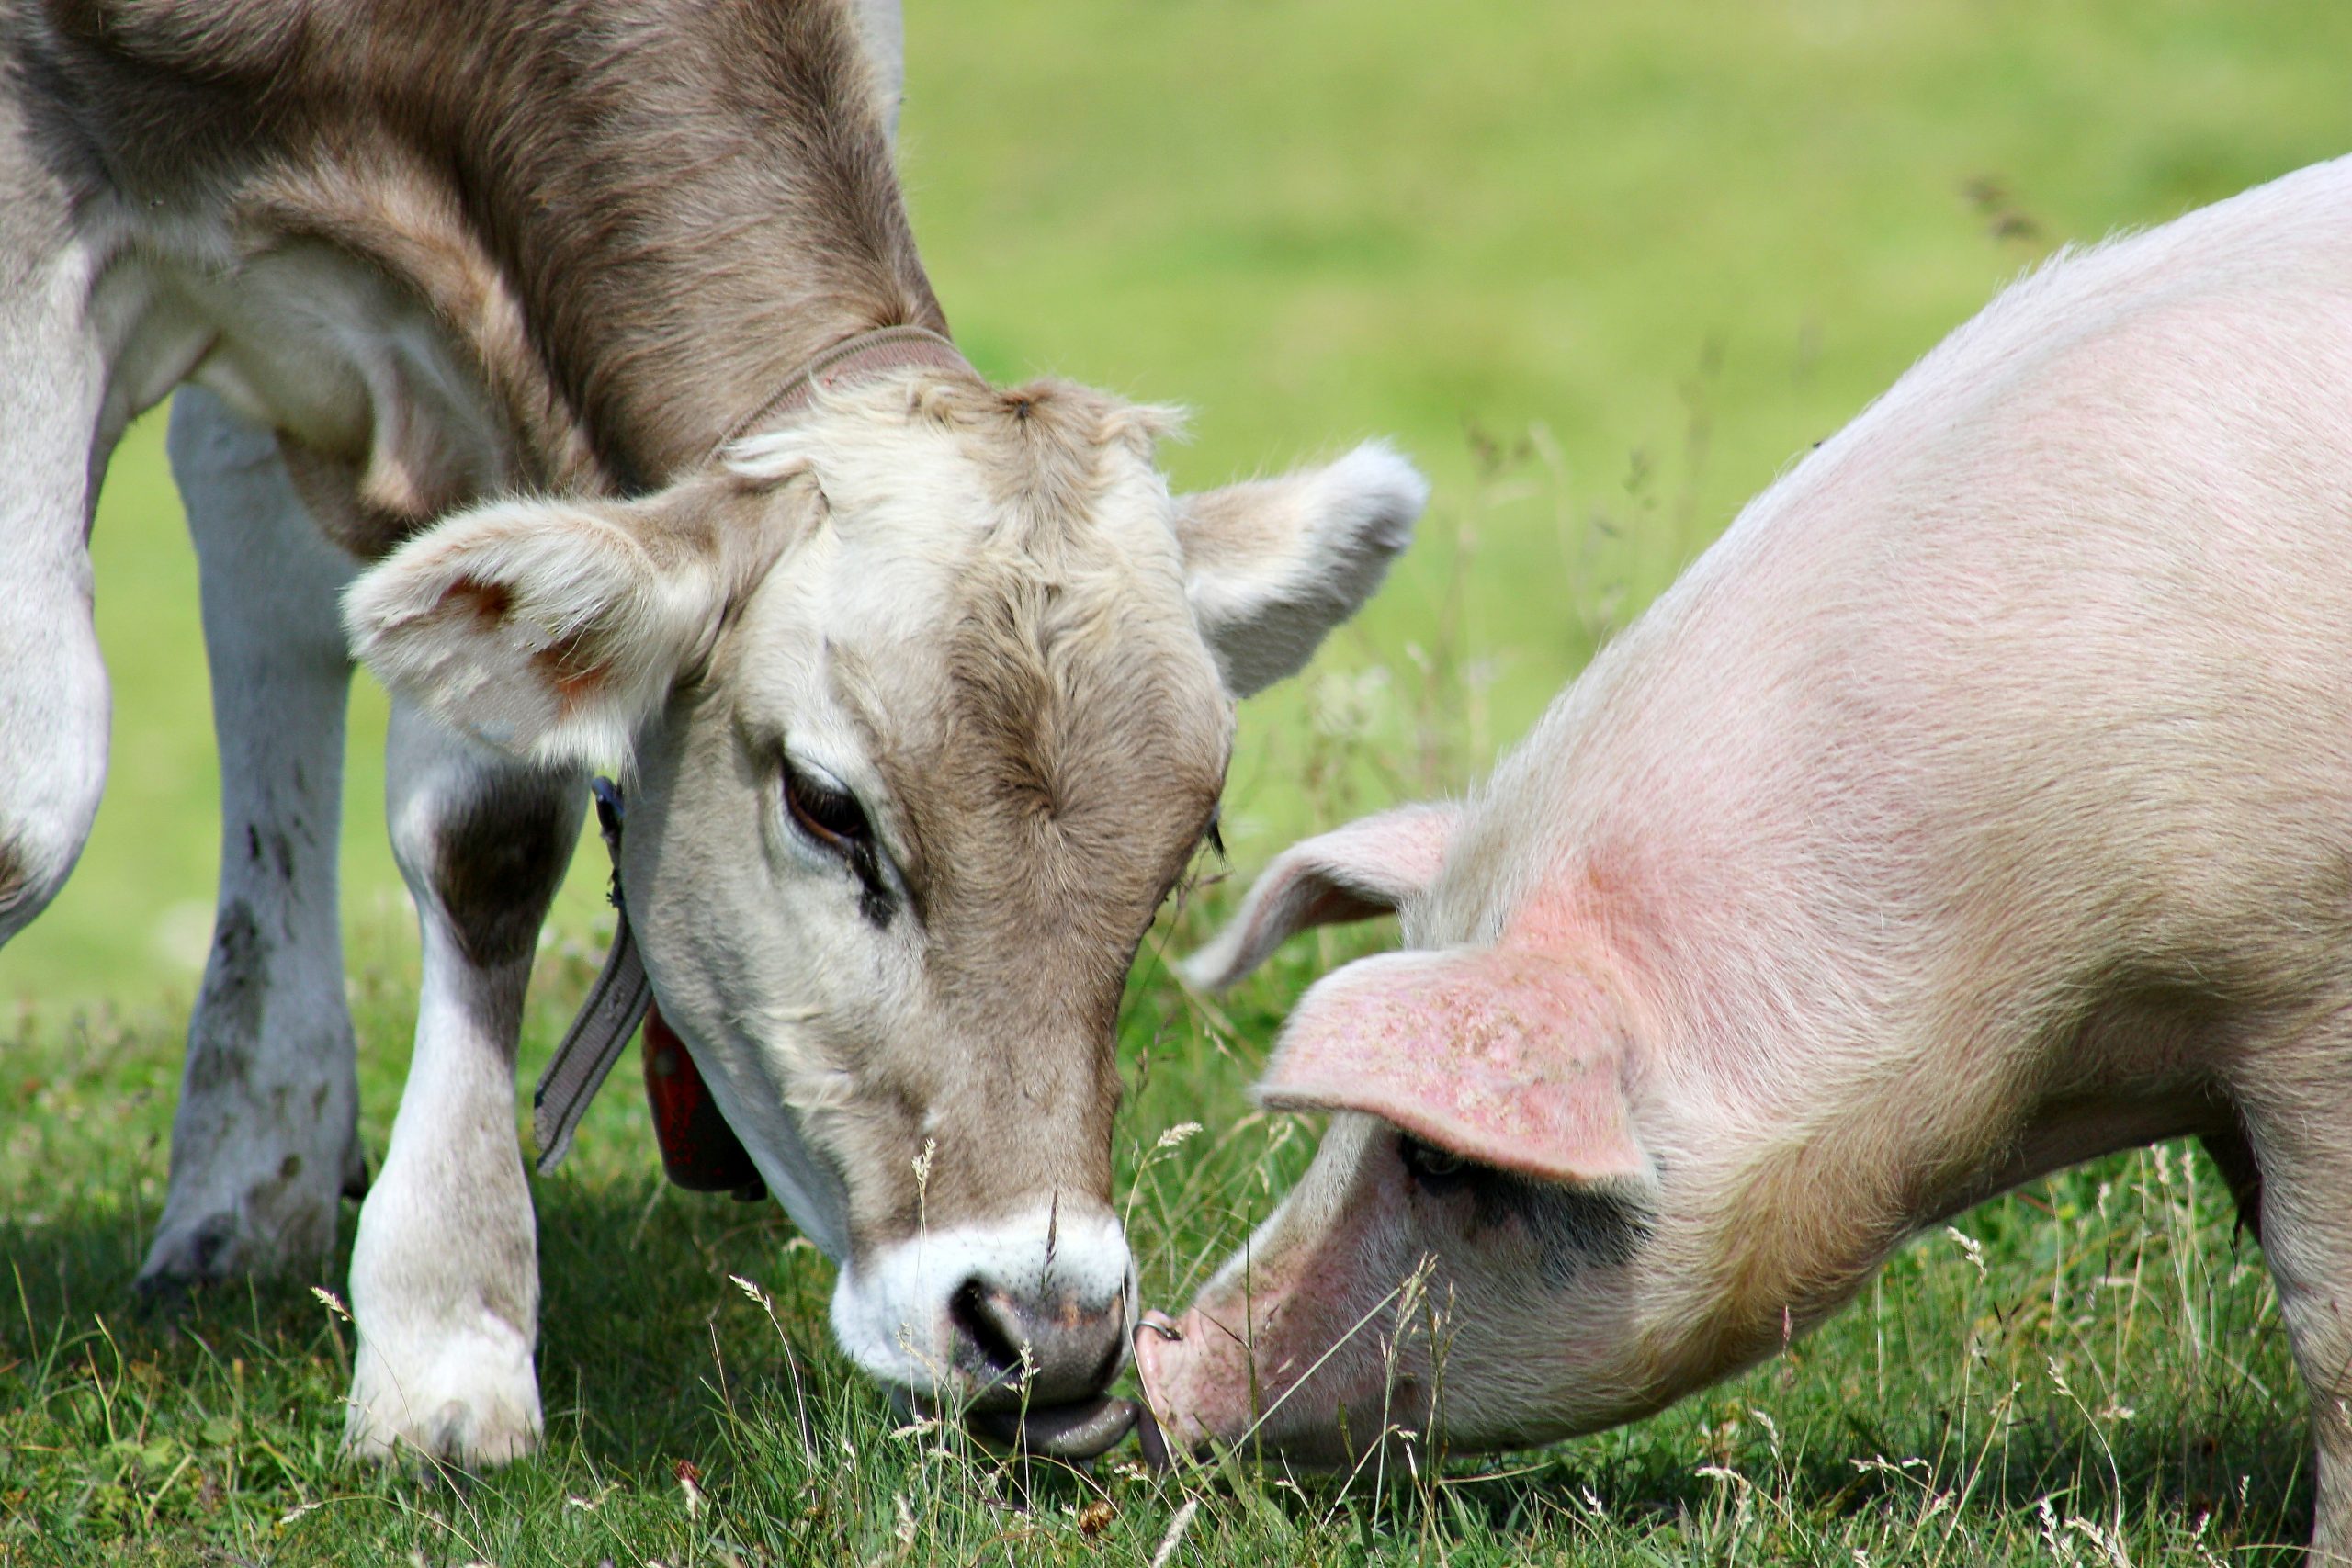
{"points": [[48, 795], [498, 858], [483, 851], [39, 841]]}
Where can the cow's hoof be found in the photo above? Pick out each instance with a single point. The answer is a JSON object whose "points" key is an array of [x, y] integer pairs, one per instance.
{"points": [[467, 1436], [474, 1403], [269, 1212], [185, 1258]]}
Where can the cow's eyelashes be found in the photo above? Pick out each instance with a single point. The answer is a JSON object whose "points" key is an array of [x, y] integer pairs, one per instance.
{"points": [[825, 811]]}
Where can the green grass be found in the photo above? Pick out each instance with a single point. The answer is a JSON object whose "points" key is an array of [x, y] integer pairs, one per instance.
{"points": [[2115, 1365], [1603, 268]]}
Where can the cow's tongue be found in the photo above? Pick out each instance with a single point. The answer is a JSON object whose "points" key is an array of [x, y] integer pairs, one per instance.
{"points": [[1075, 1431]]}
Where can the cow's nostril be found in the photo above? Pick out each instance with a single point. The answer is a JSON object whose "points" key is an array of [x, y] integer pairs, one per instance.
{"points": [[1114, 1346], [984, 1327], [1042, 1353]]}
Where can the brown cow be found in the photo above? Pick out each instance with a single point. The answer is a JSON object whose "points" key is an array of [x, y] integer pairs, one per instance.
{"points": [[923, 686]]}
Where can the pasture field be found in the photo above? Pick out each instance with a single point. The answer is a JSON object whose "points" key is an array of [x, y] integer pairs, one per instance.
{"points": [[1602, 268]]}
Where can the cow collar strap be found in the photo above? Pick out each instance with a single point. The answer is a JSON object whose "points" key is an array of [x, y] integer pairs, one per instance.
{"points": [[616, 1004], [622, 996], [848, 362], [700, 1150]]}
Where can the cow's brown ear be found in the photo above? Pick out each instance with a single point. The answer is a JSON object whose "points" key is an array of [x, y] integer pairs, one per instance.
{"points": [[1367, 868], [1272, 565], [552, 629]]}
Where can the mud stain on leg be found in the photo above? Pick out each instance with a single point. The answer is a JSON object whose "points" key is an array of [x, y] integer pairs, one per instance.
{"points": [[236, 985], [501, 856]]}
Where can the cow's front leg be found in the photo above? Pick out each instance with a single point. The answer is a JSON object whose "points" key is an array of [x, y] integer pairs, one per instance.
{"points": [[445, 1278], [264, 1141], [53, 682]]}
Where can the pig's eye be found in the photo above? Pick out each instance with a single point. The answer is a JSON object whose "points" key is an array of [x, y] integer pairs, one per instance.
{"points": [[1429, 1166]]}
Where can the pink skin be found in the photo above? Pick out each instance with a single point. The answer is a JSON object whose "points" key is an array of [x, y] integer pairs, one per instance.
{"points": [[1528, 1078], [1305, 1287], [1377, 1300], [1974, 808], [1350, 873], [1513, 1057]]}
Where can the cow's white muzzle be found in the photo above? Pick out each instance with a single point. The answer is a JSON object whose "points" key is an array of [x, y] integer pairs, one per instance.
{"points": [[1033, 1311]]}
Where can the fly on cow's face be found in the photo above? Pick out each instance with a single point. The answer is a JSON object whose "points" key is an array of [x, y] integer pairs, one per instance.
{"points": [[828, 815], [1191, 879]]}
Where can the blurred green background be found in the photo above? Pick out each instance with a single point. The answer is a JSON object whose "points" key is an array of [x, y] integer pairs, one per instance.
{"points": [[1602, 268]]}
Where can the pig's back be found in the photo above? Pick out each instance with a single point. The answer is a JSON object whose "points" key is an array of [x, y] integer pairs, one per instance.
{"points": [[2040, 668], [2104, 629]]}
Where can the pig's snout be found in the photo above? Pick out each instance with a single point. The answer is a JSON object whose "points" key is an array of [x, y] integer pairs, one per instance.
{"points": [[1169, 1357]]}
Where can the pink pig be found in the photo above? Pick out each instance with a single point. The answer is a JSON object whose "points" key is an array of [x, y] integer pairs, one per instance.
{"points": [[1980, 804]]}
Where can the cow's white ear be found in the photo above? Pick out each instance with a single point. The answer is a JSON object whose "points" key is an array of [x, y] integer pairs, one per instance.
{"points": [[548, 629], [1272, 565], [1354, 873]]}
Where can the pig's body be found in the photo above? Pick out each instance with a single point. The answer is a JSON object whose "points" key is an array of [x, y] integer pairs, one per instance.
{"points": [[1981, 803]]}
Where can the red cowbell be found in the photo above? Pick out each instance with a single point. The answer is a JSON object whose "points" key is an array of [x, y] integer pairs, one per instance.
{"points": [[699, 1151]]}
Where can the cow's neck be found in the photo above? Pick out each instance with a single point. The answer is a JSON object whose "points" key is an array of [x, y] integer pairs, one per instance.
{"points": [[636, 221], [641, 221], [690, 213]]}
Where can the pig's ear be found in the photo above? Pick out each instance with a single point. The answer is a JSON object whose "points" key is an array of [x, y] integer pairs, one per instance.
{"points": [[1353, 873], [1505, 1057]]}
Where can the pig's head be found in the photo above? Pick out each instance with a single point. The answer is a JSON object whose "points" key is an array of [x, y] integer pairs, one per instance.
{"points": [[1459, 1255]]}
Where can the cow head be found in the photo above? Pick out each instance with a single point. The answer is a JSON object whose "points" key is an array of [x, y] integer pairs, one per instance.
{"points": [[926, 698]]}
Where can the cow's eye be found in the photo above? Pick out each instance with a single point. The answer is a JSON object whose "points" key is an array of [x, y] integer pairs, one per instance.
{"points": [[824, 810], [1429, 1165]]}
